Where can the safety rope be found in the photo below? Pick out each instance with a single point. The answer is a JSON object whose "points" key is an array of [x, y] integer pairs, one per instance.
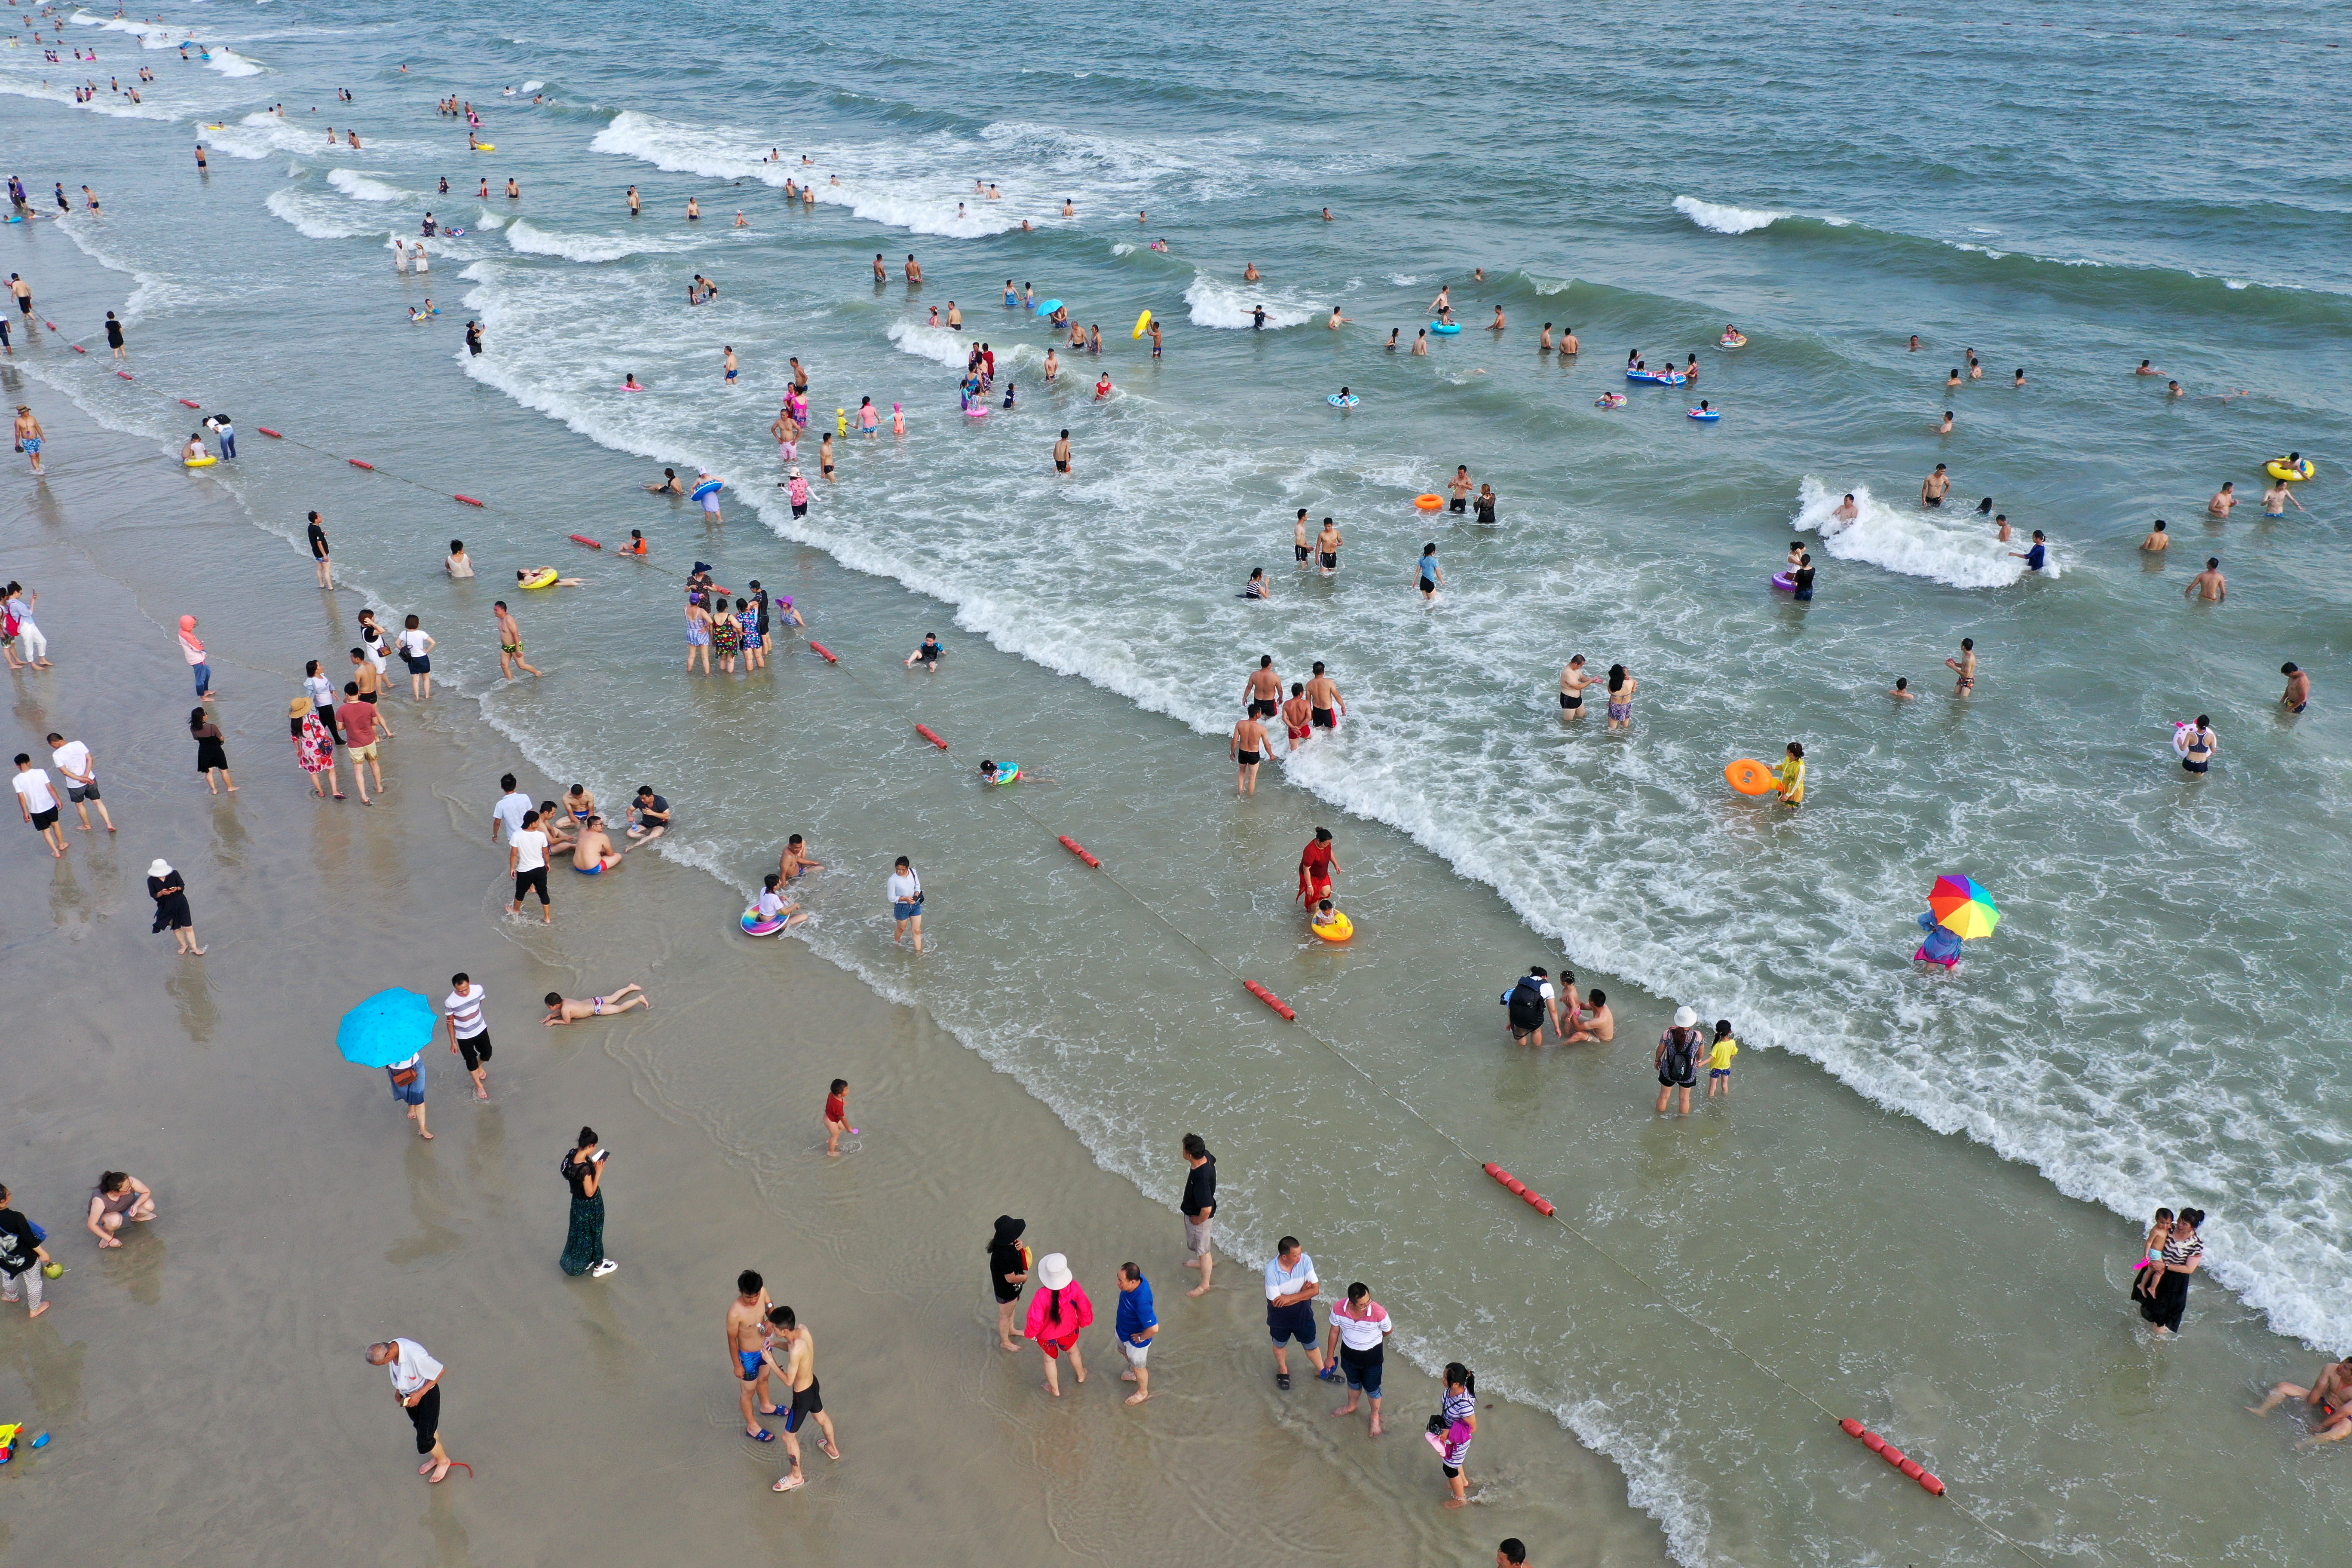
{"points": [[1657, 1292]]}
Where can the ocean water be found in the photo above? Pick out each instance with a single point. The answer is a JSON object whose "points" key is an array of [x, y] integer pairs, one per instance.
{"points": [[2161, 1017]]}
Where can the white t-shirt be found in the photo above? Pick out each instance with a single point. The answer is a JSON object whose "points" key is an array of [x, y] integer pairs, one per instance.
{"points": [[511, 810], [771, 906], [1362, 1333], [321, 690], [34, 786], [530, 849], [904, 886], [73, 758], [466, 1011], [411, 1369], [1281, 1281], [415, 642]]}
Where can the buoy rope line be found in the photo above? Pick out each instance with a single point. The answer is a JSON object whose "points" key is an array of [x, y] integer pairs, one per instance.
{"points": [[289, 440], [1656, 1293]]}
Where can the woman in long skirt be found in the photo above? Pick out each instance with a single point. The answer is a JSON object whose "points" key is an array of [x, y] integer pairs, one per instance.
{"points": [[583, 1245], [2168, 1294]]}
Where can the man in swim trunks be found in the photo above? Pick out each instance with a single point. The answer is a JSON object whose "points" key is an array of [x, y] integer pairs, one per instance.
{"points": [[1295, 715], [747, 1339], [1324, 703], [593, 855], [1062, 454], [1461, 487], [510, 642], [1327, 545], [2209, 584], [1573, 682], [2275, 500], [1593, 1022], [799, 1370], [914, 270], [795, 861], [1966, 666], [1262, 693], [927, 654], [1937, 485], [2223, 498], [2157, 541], [1568, 342], [563, 1009], [1847, 510], [1299, 545], [2329, 1398], [2297, 695], [1248, 746]]}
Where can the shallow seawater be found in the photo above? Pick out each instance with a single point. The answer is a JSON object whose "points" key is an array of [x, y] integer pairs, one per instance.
{"points": [[2159, 1018]]}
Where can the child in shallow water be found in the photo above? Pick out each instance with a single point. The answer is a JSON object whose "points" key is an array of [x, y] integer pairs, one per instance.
{"points": [[2152, 1253]]}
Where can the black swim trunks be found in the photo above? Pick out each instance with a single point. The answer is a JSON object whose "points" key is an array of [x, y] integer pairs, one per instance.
{"points": [[1248, 759], [1061, 465], [1458, 504], [1567, 701], [806, 1402], [1322, 718], [1300, 550], [1263, 709], [1330, 560]]}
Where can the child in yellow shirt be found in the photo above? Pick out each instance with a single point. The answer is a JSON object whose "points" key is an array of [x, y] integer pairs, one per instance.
{"points": [[1718, 1059]]}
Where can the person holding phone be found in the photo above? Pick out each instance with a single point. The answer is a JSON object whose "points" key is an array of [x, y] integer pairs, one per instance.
{"points": [[583, 1245]]}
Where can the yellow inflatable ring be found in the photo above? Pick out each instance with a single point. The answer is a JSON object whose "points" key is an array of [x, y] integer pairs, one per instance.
{"points": [[1340, 929], [204, 462], [1143, 323], [541, 579], [1749, 776], [2276, 468], [1428, 504]]}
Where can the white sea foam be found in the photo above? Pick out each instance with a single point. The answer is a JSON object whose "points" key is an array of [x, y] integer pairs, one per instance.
{"points": [[1721, 218], [318, 217], [529, 239], [366, 187], [228, 62], [1217, 303], [936, 343], [531, 87], [1959, 550], [151, 35]]}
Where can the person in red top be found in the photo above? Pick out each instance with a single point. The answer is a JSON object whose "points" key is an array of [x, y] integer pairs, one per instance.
{"points": [[836, 1116], [1316, 870], [1059, 1309], [358, 721]]}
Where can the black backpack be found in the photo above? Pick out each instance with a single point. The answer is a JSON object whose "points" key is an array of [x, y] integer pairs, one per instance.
{"points": [[1526, 1002]]}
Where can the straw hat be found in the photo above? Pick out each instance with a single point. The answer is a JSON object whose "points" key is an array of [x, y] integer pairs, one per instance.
{"points": [[301, 705], [1054, 1271]]}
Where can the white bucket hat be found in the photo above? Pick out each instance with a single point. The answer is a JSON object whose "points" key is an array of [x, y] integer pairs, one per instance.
{"points": [[1054, 1271], [1685, 1018], [159, 868]]}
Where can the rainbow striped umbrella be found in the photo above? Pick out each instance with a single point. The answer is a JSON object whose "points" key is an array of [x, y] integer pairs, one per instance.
{"points": [[1962, 907]]}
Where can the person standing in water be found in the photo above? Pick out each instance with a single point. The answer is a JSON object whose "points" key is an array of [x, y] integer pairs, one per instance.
{"points": [[2209, 584], [1430, 575], [1573, 682], [1621, 687], [1248, 746], [1325, 704], [1966, 665], [509, 643], [1326, 546], [1676, 1059]]}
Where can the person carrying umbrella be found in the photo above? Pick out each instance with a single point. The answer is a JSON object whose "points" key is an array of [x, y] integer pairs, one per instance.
{"points": [[390, 1030], [1958, 909]]}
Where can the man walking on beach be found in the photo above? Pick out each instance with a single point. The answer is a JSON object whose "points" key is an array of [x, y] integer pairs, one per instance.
{"points": [[1138, 1325], [73, 760], [510, 642], [527, 858], [1199, 1205], [1291, 1287], [514, 805], [416, 1382], [38, 802], [747, 1339], [470, 1033], [799, 1370]]}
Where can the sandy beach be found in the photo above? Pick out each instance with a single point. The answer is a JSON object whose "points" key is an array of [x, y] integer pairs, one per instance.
{"points": [[205, 1382]]}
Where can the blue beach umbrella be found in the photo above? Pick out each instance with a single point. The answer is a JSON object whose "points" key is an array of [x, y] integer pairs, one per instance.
{"points": [[389, 1026]]}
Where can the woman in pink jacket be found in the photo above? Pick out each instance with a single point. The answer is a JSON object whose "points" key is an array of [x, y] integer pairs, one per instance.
{"points": [[1056, 1313]]}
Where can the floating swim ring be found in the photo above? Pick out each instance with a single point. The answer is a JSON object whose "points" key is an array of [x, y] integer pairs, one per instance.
{"points": [[1782, 581], [1749, 776], [486, 147], [1610, 400], [1143, 323], [754, 926], [1048, 306], [1006, 772], [977, 410], [1657, 378], [1336, 401], [542, 578], [1340, 929], [708, 486], [1428, 504], [1730, 342], [1706, 413], [2276, 468], [204, 462], [1445, 329]]}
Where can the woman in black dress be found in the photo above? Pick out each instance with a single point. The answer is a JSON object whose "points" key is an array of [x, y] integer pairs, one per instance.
{"points": [[583, 1245], [1008, 1270], [2183, 1252], [171, 896], [212, 757]]}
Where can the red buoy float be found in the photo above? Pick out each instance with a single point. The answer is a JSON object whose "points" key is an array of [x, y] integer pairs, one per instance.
{"points": [[356, 463], [189, 403], [1532, 1198], [1929, 1481], [1270, 999], [126, 375], [822, 651], [924, 732], [1078, 849], [470, 501], [268, 431], [79, 350], [576, 539]]}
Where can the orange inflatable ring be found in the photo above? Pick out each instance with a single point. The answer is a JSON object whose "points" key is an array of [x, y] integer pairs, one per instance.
{"points": [[1749, 776], [1428, 504]]}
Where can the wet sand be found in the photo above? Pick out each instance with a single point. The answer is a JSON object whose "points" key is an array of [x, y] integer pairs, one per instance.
{"points": [[205, 1384]]}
